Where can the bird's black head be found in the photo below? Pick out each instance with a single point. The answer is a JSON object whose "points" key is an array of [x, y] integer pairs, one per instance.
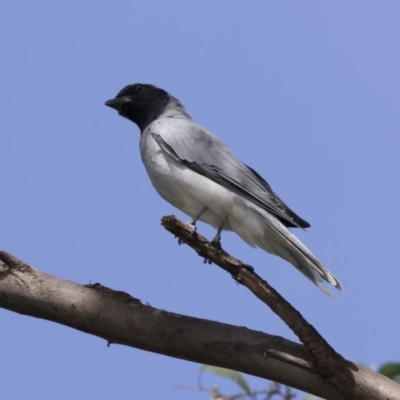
{"points": [[141, 103]]}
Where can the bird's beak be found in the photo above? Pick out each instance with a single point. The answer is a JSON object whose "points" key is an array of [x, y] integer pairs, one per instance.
{"points": [[117, 103]]}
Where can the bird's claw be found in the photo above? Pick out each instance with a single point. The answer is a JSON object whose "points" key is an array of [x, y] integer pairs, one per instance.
{"points": [[180, 241], [217, 244], [193, 227]]}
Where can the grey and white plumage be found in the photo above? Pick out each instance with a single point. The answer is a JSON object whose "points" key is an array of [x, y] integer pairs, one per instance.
{"points": [[192, 169]]}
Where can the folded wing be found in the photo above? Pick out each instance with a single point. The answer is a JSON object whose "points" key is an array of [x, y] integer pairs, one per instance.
{"points": [[200, 150]]}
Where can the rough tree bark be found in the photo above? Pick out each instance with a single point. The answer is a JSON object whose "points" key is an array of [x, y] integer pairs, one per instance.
{"points": [[119, 318]]}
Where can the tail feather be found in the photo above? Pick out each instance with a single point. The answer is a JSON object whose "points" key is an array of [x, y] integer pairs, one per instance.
{"points": [[290, 248]]}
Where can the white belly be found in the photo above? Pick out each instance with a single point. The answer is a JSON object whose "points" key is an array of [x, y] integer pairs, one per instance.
{"points": [[190, 192], [187, 190]]}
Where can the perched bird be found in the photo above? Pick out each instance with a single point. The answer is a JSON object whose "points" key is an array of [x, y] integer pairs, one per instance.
{"points": [[197, 173]]}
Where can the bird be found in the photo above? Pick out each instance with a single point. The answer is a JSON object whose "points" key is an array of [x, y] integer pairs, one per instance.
{"points": [[197, 173]]}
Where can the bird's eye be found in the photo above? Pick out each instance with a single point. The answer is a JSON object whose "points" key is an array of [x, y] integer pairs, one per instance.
{"points": [[125, 108]]}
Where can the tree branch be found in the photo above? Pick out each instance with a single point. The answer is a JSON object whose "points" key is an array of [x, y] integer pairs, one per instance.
{"points": [[332, 366], [119, 318]]}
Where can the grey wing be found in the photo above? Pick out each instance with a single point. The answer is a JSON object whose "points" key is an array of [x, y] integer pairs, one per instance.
{"points": [[198, 149]]}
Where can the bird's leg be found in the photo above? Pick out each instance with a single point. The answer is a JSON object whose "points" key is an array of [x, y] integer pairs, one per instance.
{"points": [[215, 242], [217, 238], [193, 221], [196, 218]]}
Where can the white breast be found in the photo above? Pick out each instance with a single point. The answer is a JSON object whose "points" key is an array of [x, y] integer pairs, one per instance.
{"points": [[185, 189]]}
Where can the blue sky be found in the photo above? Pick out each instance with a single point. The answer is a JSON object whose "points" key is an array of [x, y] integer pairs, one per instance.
{"points": [[307, 93]]}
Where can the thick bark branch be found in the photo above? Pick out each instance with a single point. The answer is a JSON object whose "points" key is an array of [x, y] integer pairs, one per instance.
{"points": [[119, 318]]}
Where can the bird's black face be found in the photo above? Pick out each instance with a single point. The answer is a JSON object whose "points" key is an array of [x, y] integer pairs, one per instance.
{"points": [[141, 103]]}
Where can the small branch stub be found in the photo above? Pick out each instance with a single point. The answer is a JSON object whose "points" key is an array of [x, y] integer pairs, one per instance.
{"points": [[13, 262]]}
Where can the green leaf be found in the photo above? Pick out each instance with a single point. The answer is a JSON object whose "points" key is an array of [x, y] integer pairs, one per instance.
{"points": [[230, 374], [390, 370]]}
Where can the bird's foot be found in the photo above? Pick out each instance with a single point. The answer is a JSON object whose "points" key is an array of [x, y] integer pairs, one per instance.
{"points": [[217, 244], [193, 228], [216, 241], [192, 223]]}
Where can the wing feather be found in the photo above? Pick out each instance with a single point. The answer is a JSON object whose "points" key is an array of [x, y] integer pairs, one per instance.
{"points": [[200, 150]]}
